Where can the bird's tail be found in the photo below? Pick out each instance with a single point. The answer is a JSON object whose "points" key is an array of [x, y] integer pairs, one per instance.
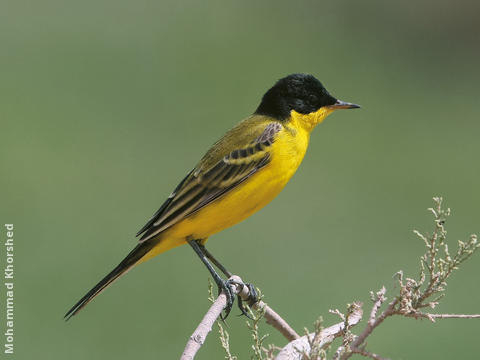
{"points": [[130, 260]]}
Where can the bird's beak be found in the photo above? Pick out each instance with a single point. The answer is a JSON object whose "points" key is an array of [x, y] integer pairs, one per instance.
{"points": [[343, 105]]}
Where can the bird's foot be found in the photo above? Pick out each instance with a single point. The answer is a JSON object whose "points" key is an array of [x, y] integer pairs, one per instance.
{"points": [[225, 286], [251, 300]]}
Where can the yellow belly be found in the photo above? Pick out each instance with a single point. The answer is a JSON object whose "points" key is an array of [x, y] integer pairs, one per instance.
{"points": [[286, 155]]}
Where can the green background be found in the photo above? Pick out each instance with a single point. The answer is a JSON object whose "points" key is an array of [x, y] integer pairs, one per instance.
{"points": [[105, 105]]}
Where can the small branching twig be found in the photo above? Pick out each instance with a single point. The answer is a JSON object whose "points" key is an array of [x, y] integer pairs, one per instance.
{"points": [[436, 266]]}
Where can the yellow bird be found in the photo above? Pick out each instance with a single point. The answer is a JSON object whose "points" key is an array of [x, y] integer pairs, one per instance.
{"points": [[240, 174]]}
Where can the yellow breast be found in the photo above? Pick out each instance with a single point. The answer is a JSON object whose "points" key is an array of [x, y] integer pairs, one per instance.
{"points": [[286, 154]]}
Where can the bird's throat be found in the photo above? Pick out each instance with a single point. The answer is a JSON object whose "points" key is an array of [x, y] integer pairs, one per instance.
{"points": [[309, 121]]}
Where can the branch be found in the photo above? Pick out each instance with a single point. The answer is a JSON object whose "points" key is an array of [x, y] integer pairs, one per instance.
{"points": [[270, 315], [436, 266], [297, 348], [358, 347], [373, 321], [200, 334], [198, 337]]}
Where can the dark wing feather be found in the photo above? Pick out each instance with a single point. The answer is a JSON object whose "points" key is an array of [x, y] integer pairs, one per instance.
{"points": [[201, 187], [164, 205]]}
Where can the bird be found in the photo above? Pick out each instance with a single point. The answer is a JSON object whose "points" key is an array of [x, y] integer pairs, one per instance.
{"points": [[240, 174]]}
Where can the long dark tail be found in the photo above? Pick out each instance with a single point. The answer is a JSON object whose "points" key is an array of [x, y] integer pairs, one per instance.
{"points": [[131, 259]]}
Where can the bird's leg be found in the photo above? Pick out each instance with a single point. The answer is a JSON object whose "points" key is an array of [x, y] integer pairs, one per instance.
{"points": [[252, 297], [224, 285], [214, 261]]}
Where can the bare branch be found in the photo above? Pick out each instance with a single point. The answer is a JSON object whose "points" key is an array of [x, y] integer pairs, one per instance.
{"points": [[271, 316], [373, 322], [200, 334], [295, 349]]}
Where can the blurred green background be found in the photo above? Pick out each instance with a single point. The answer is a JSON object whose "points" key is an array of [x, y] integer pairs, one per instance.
{"points": [[105, 105]]}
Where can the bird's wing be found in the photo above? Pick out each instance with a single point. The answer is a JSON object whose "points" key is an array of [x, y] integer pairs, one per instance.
{"points": [[203, 186]]}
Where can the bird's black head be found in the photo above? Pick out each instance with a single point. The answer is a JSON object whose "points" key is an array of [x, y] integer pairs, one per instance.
{"points": [[300, 92]]}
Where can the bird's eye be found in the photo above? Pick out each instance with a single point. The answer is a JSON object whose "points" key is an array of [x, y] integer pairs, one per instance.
{"points": [[312, 99]]}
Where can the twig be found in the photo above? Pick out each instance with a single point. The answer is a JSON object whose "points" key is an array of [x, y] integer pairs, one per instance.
{"points": [[198, 337], [378, 301], [373, 321], [432, 317], [296, 349], [368, 354], [272, 318], [453, 316]]}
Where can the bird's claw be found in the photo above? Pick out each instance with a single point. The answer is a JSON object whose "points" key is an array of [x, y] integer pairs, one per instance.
{"points": [[251, 300], [226, 287], [242, 308], [252, 294]]}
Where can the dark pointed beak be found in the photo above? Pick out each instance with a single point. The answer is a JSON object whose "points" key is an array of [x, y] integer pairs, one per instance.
{"points": [[343, 105]]}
